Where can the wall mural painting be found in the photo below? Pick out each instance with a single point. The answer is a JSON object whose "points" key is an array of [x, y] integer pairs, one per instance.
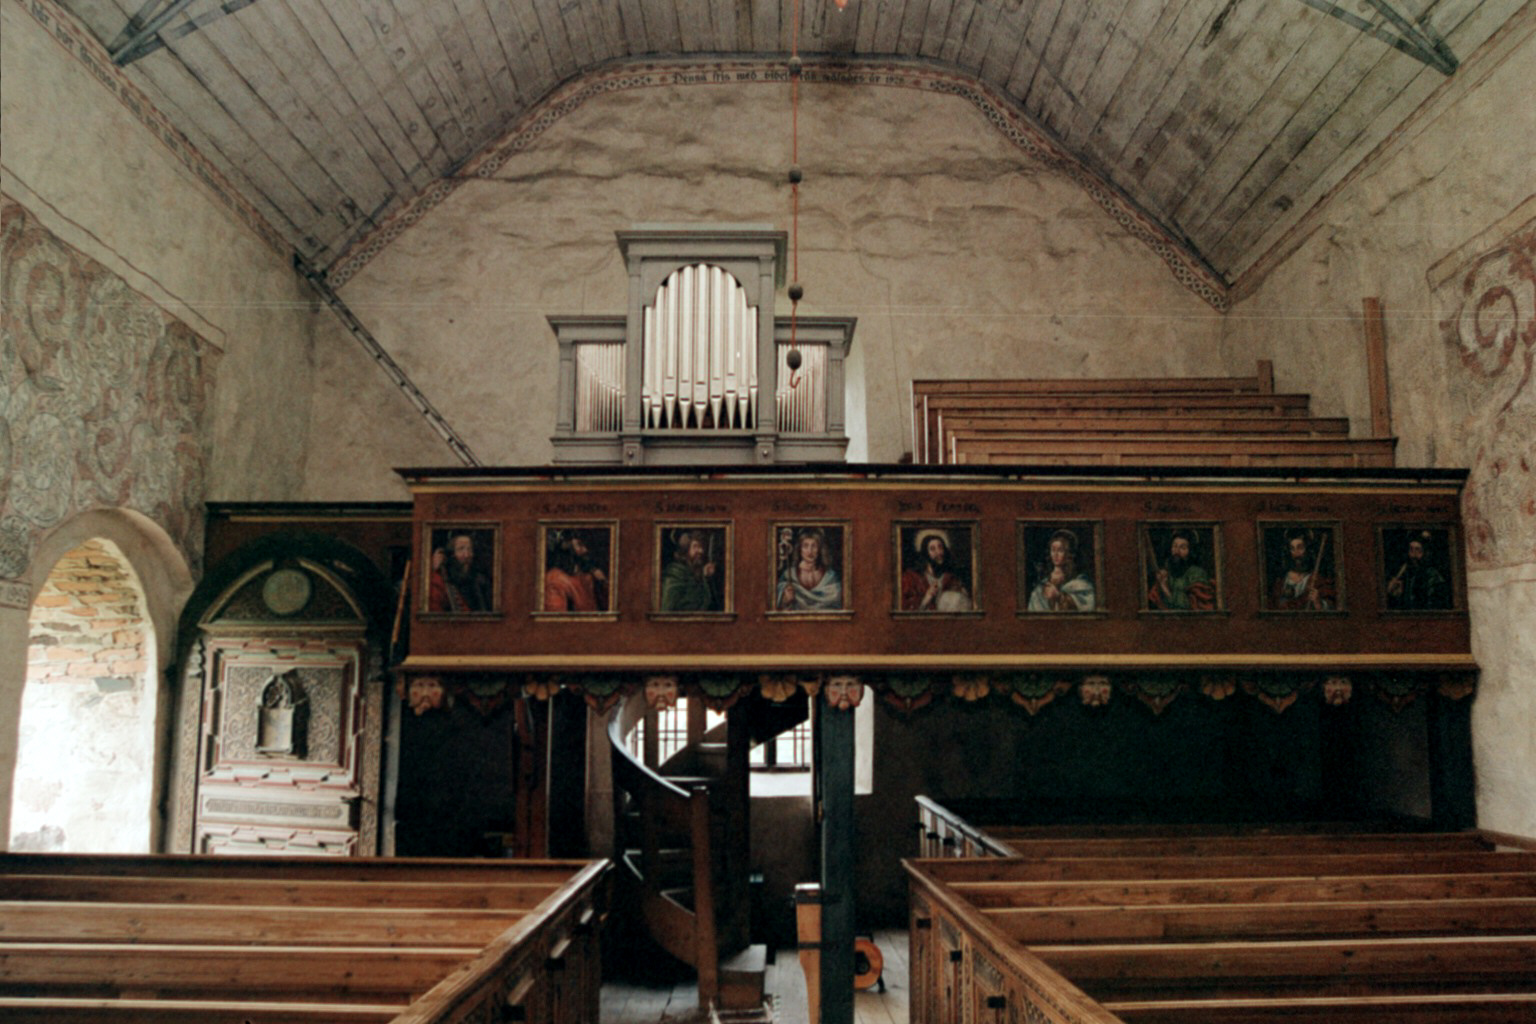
{"points": [[1059, 566], [810, 575], [692, 572], [1181, 567], [1416, 566], [105, 398], [577, 564], [1300, 569], [936, 567], [1488, 304], [463, 569]]}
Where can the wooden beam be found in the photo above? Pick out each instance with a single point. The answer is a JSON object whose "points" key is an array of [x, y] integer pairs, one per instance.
{"points": [[1376, 367]]}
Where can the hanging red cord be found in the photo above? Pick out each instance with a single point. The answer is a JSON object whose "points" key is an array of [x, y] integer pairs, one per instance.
{"points": [[795, 291]]}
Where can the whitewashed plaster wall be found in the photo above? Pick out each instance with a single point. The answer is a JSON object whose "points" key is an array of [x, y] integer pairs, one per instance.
{"points": [[1450, 195], [124, 213], [959, 254]]}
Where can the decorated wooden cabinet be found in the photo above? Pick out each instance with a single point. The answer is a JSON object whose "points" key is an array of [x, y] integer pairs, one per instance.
{"points": [[288, 729]]}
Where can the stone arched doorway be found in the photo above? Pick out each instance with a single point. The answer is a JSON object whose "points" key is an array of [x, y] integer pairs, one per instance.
{"points": [[85, 764]]}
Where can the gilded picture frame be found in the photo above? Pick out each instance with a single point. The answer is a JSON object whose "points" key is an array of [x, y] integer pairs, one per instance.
{"points": [[810, 560], [935, 562], [1060, 568], [1301, 567], [578, 570], [693, 570], [1182, 567], [460, 569]]}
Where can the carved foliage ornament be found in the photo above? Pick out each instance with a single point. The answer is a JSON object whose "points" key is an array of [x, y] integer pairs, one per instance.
{"points": [[1032, 691]]}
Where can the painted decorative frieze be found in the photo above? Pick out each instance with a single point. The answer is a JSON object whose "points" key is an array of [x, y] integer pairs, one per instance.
{"points": [[105, 401], [1488, 309]]}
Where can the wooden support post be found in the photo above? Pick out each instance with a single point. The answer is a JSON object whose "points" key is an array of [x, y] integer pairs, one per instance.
{"points": [[808, 935], [837, 846], [1452, 798], [1376, 368]]}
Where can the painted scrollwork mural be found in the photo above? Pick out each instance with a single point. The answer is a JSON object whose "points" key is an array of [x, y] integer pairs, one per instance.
{"points": [[105, 399], [1489, 323]]}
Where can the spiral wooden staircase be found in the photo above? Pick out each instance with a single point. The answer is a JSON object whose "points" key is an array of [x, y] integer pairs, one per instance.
{"points": [[682, 842]]}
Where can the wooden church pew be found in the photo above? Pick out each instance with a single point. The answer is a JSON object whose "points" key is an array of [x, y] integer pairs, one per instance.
{"points": [[279, 939], [1229, 927], [1170, 450]]}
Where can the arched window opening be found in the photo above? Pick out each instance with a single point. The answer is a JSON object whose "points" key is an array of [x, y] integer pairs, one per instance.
{"points": [[85, 752]]}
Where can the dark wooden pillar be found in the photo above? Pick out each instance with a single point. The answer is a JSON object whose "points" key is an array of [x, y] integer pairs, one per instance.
{"points": [[835, 768], [1452, 796]]}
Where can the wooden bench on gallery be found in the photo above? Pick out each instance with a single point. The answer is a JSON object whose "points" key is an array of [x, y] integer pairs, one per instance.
{"points": [[769, 592]]}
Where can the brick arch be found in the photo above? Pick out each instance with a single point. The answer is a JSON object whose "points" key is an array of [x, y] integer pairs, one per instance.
{"points": [[85, 750], [111, 559]]}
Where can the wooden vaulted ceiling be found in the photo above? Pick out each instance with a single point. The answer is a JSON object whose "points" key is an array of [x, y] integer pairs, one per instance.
{"points": [[1223, 120]]}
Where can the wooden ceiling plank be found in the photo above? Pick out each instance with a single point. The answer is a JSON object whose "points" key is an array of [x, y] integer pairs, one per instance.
{"points": [[840, 29], [1030, 57], [661, 23], [935, 28], [407, 166], [461, 118], [583, 49], [370, 184], [722, 17], [1300, 141], [1000, 49], [1147, 83], [693, 25], [1268, 119], [354, 47], [551, 33], [509, 40], [979, 33], [1138, 24], [813, 28], [765, 26], [1380, 104], [606, 24], [372, 27], [914, 19], [223, 142], [888, 29], [1170, 111], [869, 18], [1082, 58], [465, 72], [637, 40], [249, 110], [1264, 47], [484, 38], [960, 17], [1053, 55], [532, 54], [212, 130]]}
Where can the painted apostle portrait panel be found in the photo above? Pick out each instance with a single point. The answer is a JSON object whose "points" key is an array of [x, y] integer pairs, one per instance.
{"points": [[1059, 565], [936, 567], [1416, 567], [810, 562], [691, 570], [576, 569], [1181, 567], [462, 564], [1300, 567]]}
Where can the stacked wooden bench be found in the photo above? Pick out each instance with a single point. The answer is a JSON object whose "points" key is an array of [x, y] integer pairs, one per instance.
{"points": [[285, 939], [1211, 928], [1176, 421]]}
